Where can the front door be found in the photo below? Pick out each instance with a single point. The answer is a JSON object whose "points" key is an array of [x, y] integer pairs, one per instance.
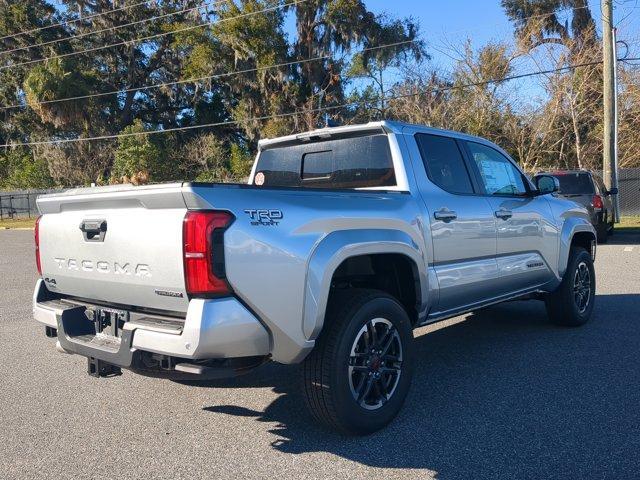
{"points": [[527, 238]]}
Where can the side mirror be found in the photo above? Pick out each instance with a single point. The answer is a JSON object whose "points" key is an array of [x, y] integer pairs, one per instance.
{"points": [[547, 184], [613, 191]]}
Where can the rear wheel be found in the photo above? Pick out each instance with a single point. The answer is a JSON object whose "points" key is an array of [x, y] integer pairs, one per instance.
{"points": [[357, 377], [602, 232], [572, 303]]}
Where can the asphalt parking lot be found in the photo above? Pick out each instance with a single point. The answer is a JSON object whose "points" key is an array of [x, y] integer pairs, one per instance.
{"points": [[499, 394]]}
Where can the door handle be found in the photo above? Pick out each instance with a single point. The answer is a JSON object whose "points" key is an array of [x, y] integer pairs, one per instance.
{"points": [[445, 215], [504, 214], [93, 230]]}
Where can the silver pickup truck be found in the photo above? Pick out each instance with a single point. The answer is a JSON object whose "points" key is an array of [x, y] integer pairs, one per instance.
{"points": [[344, 240]]}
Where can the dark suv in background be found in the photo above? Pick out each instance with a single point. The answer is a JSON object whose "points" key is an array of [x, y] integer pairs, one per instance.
{"points": [[588, 189]]}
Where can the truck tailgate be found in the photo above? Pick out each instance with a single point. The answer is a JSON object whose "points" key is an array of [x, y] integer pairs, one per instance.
{"points": [[119, 245]]}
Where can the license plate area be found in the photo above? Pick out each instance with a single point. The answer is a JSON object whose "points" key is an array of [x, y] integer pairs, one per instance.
{"points": [[108, 321]]}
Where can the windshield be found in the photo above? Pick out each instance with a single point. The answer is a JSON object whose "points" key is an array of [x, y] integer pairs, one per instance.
{"points": [[575, 184], [353, 162]]}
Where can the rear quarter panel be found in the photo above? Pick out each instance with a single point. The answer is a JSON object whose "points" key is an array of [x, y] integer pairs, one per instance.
{"points": [[282, 270]]}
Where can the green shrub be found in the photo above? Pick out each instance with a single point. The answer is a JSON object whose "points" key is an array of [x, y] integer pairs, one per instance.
{"points": [[19, 169], [241, 162], [138, 153]]}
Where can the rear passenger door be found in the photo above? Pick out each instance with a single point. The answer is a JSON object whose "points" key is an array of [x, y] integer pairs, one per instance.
{"points": [[527, 237], [462, 225]]}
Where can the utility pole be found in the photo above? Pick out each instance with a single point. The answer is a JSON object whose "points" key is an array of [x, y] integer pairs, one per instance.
{"points": [[616, 197], [609, 147]]}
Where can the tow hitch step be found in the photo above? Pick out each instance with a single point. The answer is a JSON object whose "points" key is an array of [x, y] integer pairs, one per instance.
{"points": [[99, 368]]}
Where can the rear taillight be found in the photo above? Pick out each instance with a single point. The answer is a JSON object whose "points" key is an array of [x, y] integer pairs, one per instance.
{"points": [[36, 235], [596, 201], [203, 250]]}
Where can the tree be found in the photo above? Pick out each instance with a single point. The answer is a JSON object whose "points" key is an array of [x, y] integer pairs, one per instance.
{"points": [[374, 65], [255, 43], [138, 155], [241, 162], [472, 100], [629, 117], [539, 23], [331, 28], [16, 125], [228, 61], [60, 78], [205, 158], [18, 169]]}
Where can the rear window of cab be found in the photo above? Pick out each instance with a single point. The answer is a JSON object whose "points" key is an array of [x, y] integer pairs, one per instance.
{"points": [[352, 162], [575, 183]]}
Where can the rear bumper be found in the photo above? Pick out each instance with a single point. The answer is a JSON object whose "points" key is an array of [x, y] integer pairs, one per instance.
{"points": [[213, 329]]}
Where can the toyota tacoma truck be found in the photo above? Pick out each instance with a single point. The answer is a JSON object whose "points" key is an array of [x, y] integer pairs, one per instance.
{"points": [[343, 241]]}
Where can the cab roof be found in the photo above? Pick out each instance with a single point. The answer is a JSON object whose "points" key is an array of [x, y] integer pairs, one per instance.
{"points": [[383, 126]]}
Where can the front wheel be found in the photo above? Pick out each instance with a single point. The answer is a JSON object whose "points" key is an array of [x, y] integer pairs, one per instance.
{"points": [[357, 377], [572, 303]]}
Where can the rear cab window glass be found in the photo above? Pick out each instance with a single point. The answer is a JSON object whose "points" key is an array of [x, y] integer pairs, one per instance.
{"points": [[444, 163], [344, 163], [317, 165], [498, 175], [579, 183]]}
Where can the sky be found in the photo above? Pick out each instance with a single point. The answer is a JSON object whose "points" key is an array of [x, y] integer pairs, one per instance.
{"points": [[447, 23], [485, 20]]}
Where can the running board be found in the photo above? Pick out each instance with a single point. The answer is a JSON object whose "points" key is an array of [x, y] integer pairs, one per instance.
{"points": [[440, 316]]}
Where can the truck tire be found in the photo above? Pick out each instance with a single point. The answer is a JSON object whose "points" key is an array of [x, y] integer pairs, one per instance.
{"points": [[602, 233], [572, 303], [358, 375]]}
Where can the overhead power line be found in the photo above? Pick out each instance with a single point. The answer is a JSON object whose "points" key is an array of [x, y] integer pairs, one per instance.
{"points": [[203, 4], [152, 37], [306, 111], [207, 77], [210, 77], [157, 17], [116, 27]]}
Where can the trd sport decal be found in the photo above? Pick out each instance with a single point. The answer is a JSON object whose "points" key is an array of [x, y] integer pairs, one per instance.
{"points": [[265, 217]]}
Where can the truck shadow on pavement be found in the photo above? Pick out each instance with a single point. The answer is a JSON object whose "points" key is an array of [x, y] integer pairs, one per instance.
{"points": [[503, 394], [624, 238]]}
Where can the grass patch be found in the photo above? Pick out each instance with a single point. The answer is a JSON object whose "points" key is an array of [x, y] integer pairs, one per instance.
{"points": [[629, 223], [17, 223]]}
